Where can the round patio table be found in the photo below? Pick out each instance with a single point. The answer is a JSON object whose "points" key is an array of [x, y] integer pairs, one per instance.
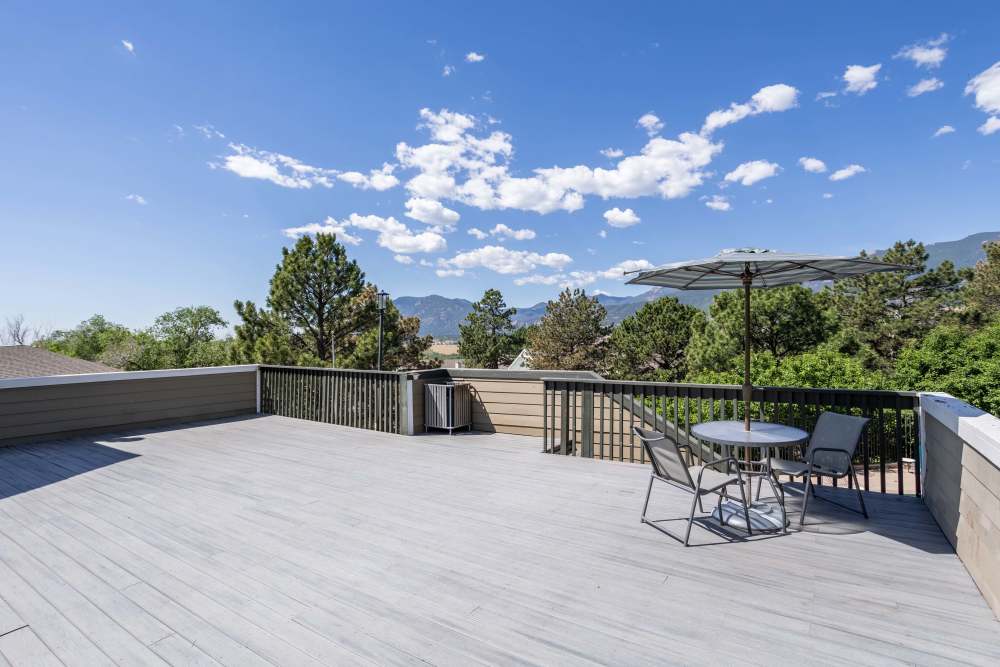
{"points": [[764, 436]]}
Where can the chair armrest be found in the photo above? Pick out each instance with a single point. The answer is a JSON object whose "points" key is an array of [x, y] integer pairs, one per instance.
{"points": [[729, 459], [830, 450]]}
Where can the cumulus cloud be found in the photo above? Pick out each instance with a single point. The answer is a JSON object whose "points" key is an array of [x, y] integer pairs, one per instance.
{"points": [[129, 46], [431, 212], [376, 179], [944, 129], [925, 86], [860, 79], [473, 57], [502, 260], [448, 70], [751, 172], [478, 233], [985, 87], [503, 231], [991, 125], [392, 234], [279, 169], [770, 99], [403, 259], [651, 123], [138, 199], [847, 172], [619, 218], [462, 165], [812, 165], [612, 152], [584, 278], [450, 273], [718, 203], [929, 54]]}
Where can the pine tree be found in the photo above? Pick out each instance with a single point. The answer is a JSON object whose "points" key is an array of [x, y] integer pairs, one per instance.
{"points": [[650, 343], [571, 335], [488, 338]]}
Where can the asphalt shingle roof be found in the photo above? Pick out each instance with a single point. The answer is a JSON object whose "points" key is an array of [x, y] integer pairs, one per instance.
{"points": [[23, 361]]}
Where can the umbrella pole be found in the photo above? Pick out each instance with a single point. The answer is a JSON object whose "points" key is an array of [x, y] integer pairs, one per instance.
{"points": [[747, 387]]}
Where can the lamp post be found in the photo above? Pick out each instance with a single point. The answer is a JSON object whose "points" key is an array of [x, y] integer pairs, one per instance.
{"points": [[383, 297]]}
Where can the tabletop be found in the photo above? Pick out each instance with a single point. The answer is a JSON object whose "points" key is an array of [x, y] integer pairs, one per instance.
{"points": [[761, 434]]}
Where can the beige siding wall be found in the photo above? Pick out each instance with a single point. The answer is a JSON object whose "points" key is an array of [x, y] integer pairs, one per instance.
{"points": [[962, 490], [28, 413]]}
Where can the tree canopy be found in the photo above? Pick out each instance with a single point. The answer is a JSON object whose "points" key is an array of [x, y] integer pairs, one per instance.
{"points": [[572, 335], [489, 338], [651, 343]]}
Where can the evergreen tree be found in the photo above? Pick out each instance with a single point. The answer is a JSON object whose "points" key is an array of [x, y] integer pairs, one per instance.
{"points": [[983, 290], [402, 345], [650, 344], [488, 338], [571, 335]]}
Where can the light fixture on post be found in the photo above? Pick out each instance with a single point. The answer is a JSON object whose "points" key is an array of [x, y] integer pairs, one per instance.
{"points": [[383, 299]]}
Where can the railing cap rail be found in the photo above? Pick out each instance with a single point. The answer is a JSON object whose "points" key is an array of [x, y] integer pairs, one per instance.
{"points": [[735, 387], [116, 376], [333, 370]]}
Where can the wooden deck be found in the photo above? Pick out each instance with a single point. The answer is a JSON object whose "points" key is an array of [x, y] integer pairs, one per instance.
{"points": [[273, 540]]}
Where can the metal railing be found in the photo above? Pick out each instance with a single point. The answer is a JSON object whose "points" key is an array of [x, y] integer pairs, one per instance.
{"points": [[594, 418], [373, 400]]}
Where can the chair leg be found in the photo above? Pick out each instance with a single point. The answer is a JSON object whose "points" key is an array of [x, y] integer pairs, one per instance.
{"points": [[746, 509], [857, 486], [645, 505], [805, 498], [694, 504]]}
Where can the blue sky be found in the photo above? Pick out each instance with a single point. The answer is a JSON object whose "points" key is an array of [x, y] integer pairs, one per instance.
{"points": [[161, 156]]}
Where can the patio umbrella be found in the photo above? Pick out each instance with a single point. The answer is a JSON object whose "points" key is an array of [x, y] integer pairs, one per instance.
{"points": [[752, 267]]}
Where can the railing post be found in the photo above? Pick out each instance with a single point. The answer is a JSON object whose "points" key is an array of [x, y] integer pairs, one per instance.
{"points": [[405, 403], [587, 424], [564, 421]]}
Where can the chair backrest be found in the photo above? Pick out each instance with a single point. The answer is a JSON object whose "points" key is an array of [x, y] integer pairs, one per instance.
{"points": [[665, 457], [836, 431]]}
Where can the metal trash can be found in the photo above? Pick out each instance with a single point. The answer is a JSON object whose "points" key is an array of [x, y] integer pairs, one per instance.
{"points": [[447, 406]]}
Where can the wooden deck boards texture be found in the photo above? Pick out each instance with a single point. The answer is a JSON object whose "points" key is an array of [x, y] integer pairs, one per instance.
{"points": [[273, 540]]}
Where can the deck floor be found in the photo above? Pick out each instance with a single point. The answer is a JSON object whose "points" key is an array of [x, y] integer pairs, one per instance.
{"points": [[273, 540]]}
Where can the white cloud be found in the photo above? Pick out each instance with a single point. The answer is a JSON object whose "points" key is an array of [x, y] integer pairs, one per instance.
{"points": [[651, 123], [403, 259], [861, 79], [501, 260], [277, 168], [986, 88], [448, 70], [627, 266], [584, 278], [812, 165], [478, 233], [944, 129], [825, 94], [770, 99], [209, 132], [129, 46], [473, 169], [827, 195], [603, 233], [376, 179], [538, 279], [847, 172], [612, 152], [431, 212], [392, 234], [991, 125], [450, 273], [473, 57], [138, 199], [503, 231], [329, 226], [751, 172], [930, 53], [925, 86], [619, 218], [718, 203]]}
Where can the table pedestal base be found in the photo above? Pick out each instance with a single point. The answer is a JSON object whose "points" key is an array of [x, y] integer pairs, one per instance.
{"points": [[763, 516]]}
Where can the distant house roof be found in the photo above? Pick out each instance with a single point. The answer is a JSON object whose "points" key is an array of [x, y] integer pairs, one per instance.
{"points": [[24, 361], [521, 362]]}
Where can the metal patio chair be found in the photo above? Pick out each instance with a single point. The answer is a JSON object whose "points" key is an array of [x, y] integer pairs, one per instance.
{"points": [[830, 451], [669, 467]]}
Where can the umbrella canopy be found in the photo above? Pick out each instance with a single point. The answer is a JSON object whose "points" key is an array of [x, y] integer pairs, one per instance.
{"points": [[753, 267]]}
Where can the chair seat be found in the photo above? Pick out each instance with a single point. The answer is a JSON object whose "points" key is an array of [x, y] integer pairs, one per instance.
{"points": [[798, 468], [712, 479]]}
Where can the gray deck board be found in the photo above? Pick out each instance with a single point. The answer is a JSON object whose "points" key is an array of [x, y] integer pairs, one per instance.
{"points": [[274, 540]]}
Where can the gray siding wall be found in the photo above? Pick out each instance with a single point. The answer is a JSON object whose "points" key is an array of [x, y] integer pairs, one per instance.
{"points": [[60, 410]]}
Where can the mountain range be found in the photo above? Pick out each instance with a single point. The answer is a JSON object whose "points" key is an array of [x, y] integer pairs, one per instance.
{"points": [[440, 315]]}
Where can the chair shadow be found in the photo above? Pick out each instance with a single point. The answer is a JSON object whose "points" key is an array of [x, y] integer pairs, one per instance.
{"points": [[26, 467]]}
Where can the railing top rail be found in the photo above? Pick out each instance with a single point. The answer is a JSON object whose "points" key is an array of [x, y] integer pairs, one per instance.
{"points": [[353, 371], [734, 387], [118, 376]]}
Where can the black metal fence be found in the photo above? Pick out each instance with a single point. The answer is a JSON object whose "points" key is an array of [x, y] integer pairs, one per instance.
{"points": [[373, 400], [594, 418]]}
